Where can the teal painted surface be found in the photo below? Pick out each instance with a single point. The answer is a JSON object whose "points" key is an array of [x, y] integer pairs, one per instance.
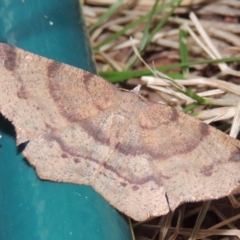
{"points": [[31, 208]]}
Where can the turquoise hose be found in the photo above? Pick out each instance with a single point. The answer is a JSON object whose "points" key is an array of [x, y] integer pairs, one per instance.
{"points": [[32, 209]]}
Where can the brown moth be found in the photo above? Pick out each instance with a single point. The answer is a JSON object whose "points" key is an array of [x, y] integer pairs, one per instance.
{"points": [[144, 158]]}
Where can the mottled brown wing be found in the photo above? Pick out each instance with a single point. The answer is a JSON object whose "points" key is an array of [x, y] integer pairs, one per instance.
{"points": [[193, 161], [41, 96], [144, 158], [162, 157]]}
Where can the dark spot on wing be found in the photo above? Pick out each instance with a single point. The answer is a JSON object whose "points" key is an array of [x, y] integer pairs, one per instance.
{"points": [[22, 93], [52, 68], [9, 57], [207, 170]]}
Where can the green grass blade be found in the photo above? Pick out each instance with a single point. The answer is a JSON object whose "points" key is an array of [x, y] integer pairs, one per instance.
{"points": [[145, 35], [115, 77], [147, 28], [194, 96], [106, 15], [183, 34], [190, 107], [174, 5], [129, 26]]}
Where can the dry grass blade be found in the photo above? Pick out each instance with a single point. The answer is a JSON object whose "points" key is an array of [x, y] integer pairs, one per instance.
{"points": [[142, 3], [164, 225], [200, 219], [236, 123], [210, 82], [216, 114], [179, 221], [210, 49], [235, 203]]}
